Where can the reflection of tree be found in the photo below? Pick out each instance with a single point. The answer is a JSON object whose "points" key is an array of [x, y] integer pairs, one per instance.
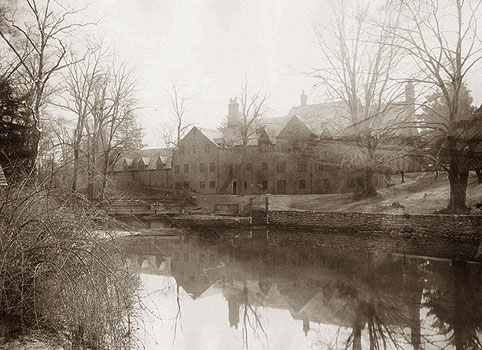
{"points": [[251, 319], [455, 300], [177, 318], [388, 299]]}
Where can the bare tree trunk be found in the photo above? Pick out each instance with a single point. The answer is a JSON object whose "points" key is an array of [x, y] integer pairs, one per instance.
{"points": [[458, 190], [478, 172], [458, 176], [75, 172], [105, 173]]}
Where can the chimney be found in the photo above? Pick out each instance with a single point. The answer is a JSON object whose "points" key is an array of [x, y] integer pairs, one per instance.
{"points": [[304, 98], [410, 108], [233, 112], [409, 92]]}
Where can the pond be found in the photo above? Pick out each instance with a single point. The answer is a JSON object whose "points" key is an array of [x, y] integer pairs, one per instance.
{"points": [[263, 290]]}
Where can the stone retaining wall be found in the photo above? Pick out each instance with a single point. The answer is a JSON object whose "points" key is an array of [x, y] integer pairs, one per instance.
{"points": [[462, 228], [211, 221]]}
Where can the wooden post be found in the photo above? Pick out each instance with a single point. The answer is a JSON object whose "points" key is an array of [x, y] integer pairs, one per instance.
{"points": [[267, 207], [251, 207]]}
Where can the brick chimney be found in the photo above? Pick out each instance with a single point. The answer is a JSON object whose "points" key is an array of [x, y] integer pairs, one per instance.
{"points": [[233, 112], [304, 98]]}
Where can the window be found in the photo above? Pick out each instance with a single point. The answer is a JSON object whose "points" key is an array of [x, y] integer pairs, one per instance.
{"points": [[207, 148], [181, 150], [245, 185], [212, 167], [318, 167], [264, 166], [212, 184], [178, 185], [350, 183], [326, 184], [302, 165], [177, 168], [264, 185], [202, 167], [186, 168], [193, 149], [202, 185], [248, 167], [281, 186], [186, 185], [302, 184], [281, 167]]}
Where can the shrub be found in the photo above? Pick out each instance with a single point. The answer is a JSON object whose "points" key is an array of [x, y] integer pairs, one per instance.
{"points": [[60, 268]]}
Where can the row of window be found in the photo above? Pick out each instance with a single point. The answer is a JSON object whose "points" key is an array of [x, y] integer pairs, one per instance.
{"points": [[280, 185], [207, 149], [280, 167], [202, 185], [202, 168]]}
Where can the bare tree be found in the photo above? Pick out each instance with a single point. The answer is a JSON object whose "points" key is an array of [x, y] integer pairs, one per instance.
{"points": [[441, 39], [178, 100], [252, 109], [119, 128], [359, 67], [37, 39], [80, 85]]}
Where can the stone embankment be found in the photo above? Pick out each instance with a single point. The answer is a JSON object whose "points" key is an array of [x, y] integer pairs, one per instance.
{"points": [[458, 228], [211, 221], [462, 228]]}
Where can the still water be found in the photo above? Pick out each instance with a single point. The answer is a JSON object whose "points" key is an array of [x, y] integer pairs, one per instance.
{"points": [[261, 291]]}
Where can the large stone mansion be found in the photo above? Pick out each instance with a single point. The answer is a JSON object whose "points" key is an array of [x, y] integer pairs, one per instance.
{"points": [[311, 150]]}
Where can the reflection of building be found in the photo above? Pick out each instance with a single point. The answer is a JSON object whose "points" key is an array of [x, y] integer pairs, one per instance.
{"points": [[311, 150], [317, 286]]}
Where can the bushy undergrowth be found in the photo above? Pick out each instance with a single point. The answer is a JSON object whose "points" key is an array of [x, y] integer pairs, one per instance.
{"points": [[60, 269]]}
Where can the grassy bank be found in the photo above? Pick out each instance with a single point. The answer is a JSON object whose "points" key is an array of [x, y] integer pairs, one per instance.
{"points": [[422, 193]]}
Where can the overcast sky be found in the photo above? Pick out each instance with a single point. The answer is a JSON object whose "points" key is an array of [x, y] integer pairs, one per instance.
{"points": [[210, 45]]}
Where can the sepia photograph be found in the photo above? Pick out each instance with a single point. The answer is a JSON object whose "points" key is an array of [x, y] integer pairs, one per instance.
{"points": [[240, 174]]}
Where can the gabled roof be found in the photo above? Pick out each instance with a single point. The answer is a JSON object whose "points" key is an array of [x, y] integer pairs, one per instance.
{"points": [[128, 161], [333, 116], [144, 160], [148, 157], [273, 126], [3, 179], [395, 119], [295, 129], [233, 137], [215, 136]]}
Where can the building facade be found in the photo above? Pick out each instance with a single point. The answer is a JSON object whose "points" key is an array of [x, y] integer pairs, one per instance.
{"points": [[308, 151]]}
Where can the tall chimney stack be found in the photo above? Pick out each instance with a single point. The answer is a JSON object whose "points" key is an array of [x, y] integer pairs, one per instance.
{"points": [[304, 98], [233, 112]]}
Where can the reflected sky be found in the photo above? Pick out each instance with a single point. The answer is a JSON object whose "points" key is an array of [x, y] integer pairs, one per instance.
{"points": [[248, 293]]}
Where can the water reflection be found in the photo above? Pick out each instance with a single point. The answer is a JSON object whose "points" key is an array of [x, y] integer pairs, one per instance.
{"points": [[242, 294]]}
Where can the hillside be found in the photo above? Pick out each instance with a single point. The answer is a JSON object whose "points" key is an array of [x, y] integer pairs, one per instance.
{"points": [[422, 193]]}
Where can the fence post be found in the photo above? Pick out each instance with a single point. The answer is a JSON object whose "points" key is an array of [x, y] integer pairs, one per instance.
{"points": [[251, 207], [267, 207]]}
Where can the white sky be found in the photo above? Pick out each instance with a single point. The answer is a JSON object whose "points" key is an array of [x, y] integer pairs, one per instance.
{"points": [[210, 45]]}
